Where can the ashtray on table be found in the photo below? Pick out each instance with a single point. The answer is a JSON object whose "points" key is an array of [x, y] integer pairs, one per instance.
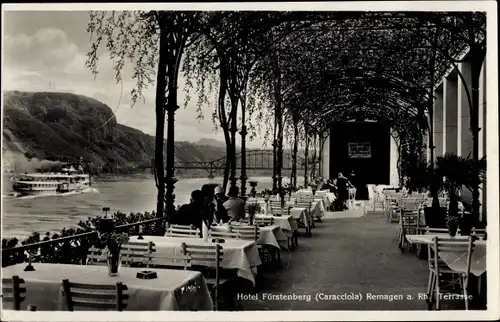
{"points": [[146, 275]]}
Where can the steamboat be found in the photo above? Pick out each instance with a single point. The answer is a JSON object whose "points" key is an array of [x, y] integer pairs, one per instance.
{"points": [[71, 178]]}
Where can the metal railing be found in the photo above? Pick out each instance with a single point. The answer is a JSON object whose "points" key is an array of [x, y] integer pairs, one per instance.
{"points": [[7, 252]]}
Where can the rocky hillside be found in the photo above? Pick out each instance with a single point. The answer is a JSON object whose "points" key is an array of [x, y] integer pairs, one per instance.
{"points": [[62, 126]]}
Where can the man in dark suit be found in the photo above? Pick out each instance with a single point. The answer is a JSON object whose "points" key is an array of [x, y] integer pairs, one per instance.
{"points": [[192, 213]]}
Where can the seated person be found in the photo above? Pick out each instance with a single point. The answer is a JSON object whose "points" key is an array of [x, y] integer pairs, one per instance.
{"points": [[192, 213], [235, 206], [220, 210]]}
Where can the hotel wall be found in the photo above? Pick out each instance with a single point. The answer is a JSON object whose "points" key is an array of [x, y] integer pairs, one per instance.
{"points": [[452, 118]]}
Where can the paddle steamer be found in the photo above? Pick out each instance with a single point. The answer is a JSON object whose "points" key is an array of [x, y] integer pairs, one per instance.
{"points": [[71, 178]]}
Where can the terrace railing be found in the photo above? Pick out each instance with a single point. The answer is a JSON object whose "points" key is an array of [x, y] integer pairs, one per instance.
{"points": [[73, 249]]}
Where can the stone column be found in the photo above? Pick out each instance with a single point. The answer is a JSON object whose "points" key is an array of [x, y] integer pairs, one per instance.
{"points": [[464, 139], [450, 114], [438, 122]]}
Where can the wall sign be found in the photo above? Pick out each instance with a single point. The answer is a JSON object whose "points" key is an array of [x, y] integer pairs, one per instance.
{"points": [[359, 150]]}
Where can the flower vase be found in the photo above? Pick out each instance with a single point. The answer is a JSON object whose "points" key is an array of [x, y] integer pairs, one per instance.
{"points": [[251, 216], [114, 262]]}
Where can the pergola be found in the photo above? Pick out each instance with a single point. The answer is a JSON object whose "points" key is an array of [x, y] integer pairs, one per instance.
{"points": [[318, 67]]}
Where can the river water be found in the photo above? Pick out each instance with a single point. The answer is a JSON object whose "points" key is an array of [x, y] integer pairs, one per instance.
{"points": [[23, 215]]}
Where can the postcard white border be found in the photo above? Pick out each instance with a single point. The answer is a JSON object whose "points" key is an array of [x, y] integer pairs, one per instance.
{"points": [[493, 249]]}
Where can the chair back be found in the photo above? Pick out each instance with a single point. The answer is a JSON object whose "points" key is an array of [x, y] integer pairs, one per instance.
{"points": [[137, 252], [275, 203], [182, 231], [278, 211], [479, 232], [263, 221], [301, 203], [246, 232], [410, 222], [207, 256], [453, 245], [95, 256], [95, 296], [14, 291], [410, 204], [222, 232]]}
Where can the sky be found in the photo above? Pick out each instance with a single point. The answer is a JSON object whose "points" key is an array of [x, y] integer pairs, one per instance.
{"points": [[46, 51]]}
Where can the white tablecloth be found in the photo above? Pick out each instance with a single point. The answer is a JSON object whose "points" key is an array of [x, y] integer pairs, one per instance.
{"points": [[286, 223], [167, 292], [239, 254], [318, 208], [301, 213], [457, 261]]}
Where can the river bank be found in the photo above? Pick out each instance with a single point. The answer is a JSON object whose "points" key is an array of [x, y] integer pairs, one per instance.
{"points": [[24, 215]]}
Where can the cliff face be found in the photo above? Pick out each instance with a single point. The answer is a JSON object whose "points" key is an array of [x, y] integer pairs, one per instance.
{"points": [[64, 127]]}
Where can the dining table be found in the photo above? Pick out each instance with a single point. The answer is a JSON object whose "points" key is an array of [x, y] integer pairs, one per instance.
{"points": [[172, 289], [287, 223], [457, 261], [239, 254]]}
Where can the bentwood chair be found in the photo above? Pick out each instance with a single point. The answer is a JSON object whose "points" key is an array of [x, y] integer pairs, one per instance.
{"points": [[13, 291], [95, 296], [437, 268]]}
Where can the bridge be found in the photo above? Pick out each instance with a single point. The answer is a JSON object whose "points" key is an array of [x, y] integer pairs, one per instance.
{"points": [[255, 160]]}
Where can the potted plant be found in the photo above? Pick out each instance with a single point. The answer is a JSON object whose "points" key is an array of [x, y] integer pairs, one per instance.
{"points": [[455, 172]]}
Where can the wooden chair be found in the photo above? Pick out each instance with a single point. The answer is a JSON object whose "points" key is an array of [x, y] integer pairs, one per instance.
{"points": [[209, 258], [274, 203], [95, 296], [14, 291], [479, 232], [176, 261], [306, 203], [263, 221], [278, 211], [216, 232], [137, 253], [246, 232], [132, 254], [391, 208], [437, 268], [182, 231], [95, 256], [409, 224]]}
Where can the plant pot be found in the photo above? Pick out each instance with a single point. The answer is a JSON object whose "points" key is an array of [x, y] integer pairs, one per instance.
{"points": [[452, 227], [435, 217], [466, 225]]}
